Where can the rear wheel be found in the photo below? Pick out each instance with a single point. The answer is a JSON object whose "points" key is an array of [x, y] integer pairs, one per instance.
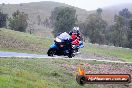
{"points": [[51, 52]]}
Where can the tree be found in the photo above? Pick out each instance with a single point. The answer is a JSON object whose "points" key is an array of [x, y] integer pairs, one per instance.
{"points": [[39, 19], [126, 16], [18, 22], [3, 19], [47, 22], [122, 29], [63, 19], [99, 12], [94, 28], [130, 35], [125, 13]]}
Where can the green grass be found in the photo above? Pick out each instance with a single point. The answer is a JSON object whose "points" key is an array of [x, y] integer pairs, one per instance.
{"points": [[42, 73], [123, 53], [37, 73], [22, 42]]}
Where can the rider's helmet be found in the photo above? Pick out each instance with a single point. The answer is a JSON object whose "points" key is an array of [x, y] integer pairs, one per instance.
{"points": [[75, 29]]}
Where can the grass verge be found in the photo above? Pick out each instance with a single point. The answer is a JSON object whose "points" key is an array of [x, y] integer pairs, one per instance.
{"points": [[44, 73], [22, 42], [122, 53]]}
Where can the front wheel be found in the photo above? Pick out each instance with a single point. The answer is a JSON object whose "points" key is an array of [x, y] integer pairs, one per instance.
{"points": [[70, 55], [51, 52]]}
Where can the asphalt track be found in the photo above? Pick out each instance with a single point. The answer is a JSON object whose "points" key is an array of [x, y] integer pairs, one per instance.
{"points": [[25, 55]]}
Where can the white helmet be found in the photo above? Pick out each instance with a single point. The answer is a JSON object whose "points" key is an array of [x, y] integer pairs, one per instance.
{"points": [[76, 28]]}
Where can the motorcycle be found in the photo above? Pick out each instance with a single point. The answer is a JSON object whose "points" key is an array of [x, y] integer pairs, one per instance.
{"points": [[61, 47], [64, 48]]}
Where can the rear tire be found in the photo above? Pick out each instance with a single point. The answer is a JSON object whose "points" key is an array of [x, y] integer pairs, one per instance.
{"points": [[51, 52]]}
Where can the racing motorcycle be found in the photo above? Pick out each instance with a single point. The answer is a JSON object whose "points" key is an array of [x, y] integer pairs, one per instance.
{"points": [[61, 47], [64, 47]]}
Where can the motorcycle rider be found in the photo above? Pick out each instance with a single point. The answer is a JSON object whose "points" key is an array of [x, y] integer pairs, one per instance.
{"points": [[75, 30], [75, 39], [75, 35]]}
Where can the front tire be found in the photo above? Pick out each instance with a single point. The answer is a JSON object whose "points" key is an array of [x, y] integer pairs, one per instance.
{"points": [[70, 55], [51, 52]]}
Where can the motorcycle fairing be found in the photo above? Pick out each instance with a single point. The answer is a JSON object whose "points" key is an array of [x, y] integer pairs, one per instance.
{"points": [[54, 46]]}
